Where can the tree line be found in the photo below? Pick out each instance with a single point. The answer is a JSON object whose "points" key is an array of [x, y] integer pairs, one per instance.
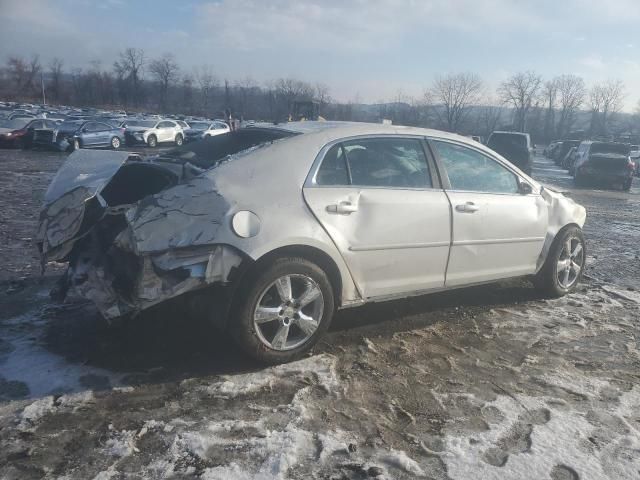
{"points": [[457, 102]]}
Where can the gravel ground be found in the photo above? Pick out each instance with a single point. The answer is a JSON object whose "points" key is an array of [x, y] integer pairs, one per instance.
{"points": [[486, 382]]}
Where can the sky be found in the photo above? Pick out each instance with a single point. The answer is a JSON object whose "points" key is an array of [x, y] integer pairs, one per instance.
{"points": [[363, 50]]}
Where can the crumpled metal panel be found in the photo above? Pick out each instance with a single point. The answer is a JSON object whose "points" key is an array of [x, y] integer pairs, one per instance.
{"points": [[562, 211], [155, 284], [91, 169], [186, 215], [61, 220]]}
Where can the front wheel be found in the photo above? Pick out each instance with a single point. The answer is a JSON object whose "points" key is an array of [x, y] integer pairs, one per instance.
{"points": [[152, 141], [564, 266], [115, 143], [179, 140], [283, 310]]}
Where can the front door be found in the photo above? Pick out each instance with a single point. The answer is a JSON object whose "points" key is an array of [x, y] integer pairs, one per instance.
{"points": [[498, 232], [376, 199]]}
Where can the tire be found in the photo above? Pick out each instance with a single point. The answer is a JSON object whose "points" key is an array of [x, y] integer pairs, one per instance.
{"points": [[547, 280], [115, 143], [76, 145], [179, 140], [152, 141], [20, 144], [259, 337]]}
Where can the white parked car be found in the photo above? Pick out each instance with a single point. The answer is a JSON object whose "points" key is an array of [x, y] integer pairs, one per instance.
{"points": [[199, 130], [303, 219], [153, 132]]}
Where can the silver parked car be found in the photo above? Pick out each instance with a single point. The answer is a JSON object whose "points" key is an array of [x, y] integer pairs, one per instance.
{"points": [[305, 218]]}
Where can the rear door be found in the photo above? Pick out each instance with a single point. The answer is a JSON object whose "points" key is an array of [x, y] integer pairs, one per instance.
{"points": [[90, 134], [103, 134], [377, 199], [497, 231]]}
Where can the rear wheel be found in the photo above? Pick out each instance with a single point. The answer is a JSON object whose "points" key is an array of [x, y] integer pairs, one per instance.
{"points": [[115, 143], [283, 310], [152, 141], [179, 140], [563, 269]]}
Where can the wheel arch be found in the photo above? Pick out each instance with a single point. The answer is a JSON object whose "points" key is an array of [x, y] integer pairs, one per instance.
{"points": [[549, 243], [313, 254]]}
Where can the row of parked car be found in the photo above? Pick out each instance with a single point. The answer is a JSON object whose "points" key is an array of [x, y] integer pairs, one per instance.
{"points": [[72, 129], [593, 161]]}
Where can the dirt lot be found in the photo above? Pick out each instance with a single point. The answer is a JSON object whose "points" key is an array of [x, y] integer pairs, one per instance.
{"points": [[488, 382]]}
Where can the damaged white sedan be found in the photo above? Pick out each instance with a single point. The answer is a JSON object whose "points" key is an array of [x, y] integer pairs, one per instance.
{"points": [[269, 230]]}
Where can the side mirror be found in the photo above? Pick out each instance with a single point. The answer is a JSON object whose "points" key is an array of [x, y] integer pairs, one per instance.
{"points": [[524, 188]]}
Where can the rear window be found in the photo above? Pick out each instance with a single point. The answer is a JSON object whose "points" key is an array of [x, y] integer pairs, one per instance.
{"points": [[141, 123], [507, 140], [617, 148]]}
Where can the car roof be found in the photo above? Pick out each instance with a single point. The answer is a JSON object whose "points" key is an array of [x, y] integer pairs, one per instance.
{"points": [[311, 136], [502, 132], [336, 130]]}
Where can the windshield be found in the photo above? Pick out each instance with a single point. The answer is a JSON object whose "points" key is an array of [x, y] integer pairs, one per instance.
{"points": [[141, 123], [15, 124]]}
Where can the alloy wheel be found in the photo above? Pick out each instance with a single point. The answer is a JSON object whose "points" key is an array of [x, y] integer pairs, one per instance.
{"points": [[288, 312], [570, 262]]}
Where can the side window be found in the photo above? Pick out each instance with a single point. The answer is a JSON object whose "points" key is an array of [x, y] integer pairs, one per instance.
{"points": [[164, 125], [387, 162], [91, 127], [473, 171], [333, 170], [103, 126]]}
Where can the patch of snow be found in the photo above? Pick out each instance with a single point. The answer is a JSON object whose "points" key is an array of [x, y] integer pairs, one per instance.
{"points": [[399, 459], [322, 367], [35, 411], [563, 440], [122, 443]]}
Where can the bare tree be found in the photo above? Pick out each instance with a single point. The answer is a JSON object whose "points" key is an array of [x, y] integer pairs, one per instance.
{"points": [[489, 116], [207, 82], [246, 88], [457, 93], [550, 93], [605, 100], [187, 94], [520, 91], [129, 67], [55, 77], [289, 90], [571, 92], [165, 70], [17, 73], [322, 95], [23, 75]]}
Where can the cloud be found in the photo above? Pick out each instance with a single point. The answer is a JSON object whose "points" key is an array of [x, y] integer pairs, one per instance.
{"points": [[594, 62], [350, 26]]}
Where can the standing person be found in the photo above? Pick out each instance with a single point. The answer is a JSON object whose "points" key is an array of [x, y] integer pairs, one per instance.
{"points": [[229, 119]]}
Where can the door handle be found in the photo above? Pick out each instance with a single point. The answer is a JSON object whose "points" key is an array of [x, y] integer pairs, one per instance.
{"points": [[344, 208], [468, 207]]}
